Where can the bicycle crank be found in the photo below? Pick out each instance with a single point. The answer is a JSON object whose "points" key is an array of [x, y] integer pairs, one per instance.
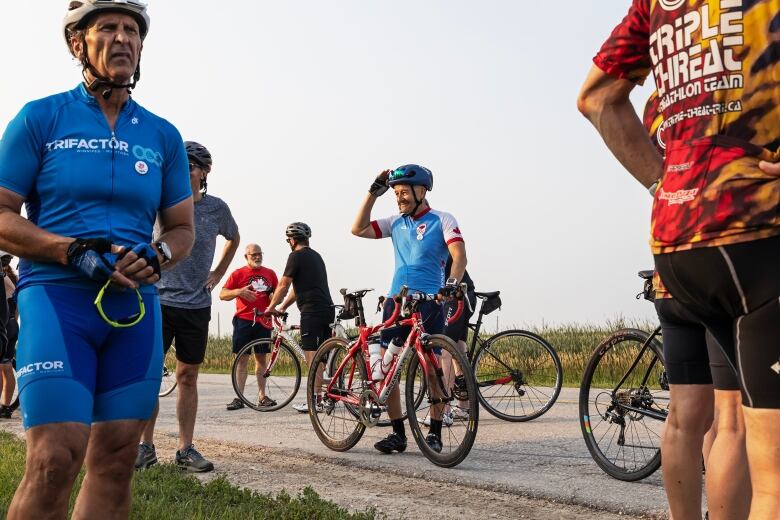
{"points": [[370, 410]]}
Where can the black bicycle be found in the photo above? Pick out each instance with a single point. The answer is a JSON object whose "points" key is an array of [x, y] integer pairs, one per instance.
{"points": [[518, 373], [624, 400]]}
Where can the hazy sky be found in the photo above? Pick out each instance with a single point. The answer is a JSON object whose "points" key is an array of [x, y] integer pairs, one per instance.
{"points": [[303, 103]]}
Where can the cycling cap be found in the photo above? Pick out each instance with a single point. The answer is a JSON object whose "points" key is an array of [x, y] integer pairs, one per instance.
{"points": [[198, 153], [298, 230], [80, 11], [413, 175]]}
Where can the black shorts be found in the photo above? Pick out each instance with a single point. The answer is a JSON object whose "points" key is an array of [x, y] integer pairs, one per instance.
{"points": [[459, 331], [315, 328], [432, 316], [734, 290], [190, 329], [12, 330], [691, 354], [245, 331]]}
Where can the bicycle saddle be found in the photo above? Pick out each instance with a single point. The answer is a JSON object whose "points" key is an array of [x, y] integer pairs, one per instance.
{"points": [[359, 293], [487, 295], [646, 275]]}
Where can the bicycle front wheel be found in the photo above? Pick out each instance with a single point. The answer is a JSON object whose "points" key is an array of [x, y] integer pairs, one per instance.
{"points": [[264, 370], [624, 399], [519, 375], [336, 416], [449, 396], [168, 381]]}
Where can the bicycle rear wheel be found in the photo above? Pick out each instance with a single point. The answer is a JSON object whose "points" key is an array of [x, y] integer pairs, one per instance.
{"points": [[336, 419], [459, 428], [624, 398], [168, 381], [519, 375], [264, 366]]}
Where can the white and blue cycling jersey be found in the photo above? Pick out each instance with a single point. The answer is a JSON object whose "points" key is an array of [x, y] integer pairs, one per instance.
{"points": [[421, 248], [82, 180]]}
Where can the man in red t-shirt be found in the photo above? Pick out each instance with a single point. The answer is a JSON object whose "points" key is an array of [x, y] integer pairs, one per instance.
{"points": [[251, 286]]}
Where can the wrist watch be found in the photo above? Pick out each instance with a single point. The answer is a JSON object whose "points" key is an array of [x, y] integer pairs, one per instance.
{"points": [[164, 250]]}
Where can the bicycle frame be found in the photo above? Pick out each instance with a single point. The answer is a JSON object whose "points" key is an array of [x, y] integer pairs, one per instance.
{"points": [[385, 386], [281, 331], [472, 353], [643, 411]]}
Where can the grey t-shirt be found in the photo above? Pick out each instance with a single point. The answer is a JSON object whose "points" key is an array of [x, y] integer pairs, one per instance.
{"points": [[182, 286]]}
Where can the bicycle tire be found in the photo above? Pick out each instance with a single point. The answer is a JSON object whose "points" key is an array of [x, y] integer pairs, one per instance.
{"points": [[337, 425], [280, 385], [519, 375], [601, 400], [168, 381], [458, 437]]}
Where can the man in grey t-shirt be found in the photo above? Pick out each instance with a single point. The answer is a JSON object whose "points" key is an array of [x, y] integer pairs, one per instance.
{"points": [[185, 298]]}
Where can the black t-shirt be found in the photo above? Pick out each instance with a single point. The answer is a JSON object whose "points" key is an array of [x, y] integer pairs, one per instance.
{"points": [[310, 281], [466, 278]]}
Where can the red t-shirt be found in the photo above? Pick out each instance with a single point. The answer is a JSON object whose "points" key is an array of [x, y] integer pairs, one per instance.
{"points": [[716, 66], [263, 282]]}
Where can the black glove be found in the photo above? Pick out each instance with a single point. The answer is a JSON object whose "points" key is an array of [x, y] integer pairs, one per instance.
{"points": [[148, 253], [93, 257], [379, 186]]}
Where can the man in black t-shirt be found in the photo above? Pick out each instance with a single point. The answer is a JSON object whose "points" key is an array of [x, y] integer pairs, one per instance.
{"points": [[305, 271]]}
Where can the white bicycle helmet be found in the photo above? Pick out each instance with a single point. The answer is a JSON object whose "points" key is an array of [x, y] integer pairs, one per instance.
{"points": [[79, 12]]}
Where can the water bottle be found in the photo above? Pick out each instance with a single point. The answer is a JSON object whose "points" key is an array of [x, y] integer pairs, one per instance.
{"points": [[375, 361], [392, 351]]}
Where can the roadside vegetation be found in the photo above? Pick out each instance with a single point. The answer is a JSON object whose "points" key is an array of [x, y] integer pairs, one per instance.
{"points": [[163, 492], [573, 342]]}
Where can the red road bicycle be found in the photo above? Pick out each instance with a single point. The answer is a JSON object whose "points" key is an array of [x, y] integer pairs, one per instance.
{"points": [[352, 401]]}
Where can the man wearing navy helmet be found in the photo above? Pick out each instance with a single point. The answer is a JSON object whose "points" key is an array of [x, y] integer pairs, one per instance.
{"points": [[423, 238], [94, 169]]}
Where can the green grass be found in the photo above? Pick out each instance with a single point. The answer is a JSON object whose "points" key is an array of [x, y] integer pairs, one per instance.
{"points": [[164, 492], [573, 342]]}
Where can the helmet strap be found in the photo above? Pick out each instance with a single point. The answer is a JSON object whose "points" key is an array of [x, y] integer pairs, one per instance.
{"points": [[417, 203]]}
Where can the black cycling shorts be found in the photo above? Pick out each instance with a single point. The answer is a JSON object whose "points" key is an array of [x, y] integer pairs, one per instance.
{"points": [[245, 331], [432, 317], [190, 329], [734, 290], [459, 331], [12, 330], [691, 354], [315, 328]]}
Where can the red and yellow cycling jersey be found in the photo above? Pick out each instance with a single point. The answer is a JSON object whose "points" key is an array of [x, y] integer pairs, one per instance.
{"points": [[716, 65]]}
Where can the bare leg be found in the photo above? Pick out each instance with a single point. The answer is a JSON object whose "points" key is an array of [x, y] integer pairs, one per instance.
{"points": [[318, 376], [260, 368], [147, 436], [763, 449], [55, 453], [690, 416], [728, 478], [241, 372], [105, 491], [8, 380], [187, 401]]}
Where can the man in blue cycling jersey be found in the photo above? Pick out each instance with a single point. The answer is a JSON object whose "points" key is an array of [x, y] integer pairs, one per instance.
{"points": [[422, 239], [94, 170]]}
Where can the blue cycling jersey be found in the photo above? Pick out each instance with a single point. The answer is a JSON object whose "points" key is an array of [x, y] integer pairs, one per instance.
{"points": [[421, 248], [82, 180]]}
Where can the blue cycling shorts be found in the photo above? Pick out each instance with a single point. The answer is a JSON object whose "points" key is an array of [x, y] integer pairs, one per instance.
{"points": [[74, 367]]}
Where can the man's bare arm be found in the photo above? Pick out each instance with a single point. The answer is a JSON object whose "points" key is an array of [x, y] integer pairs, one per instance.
{"points": [[458, 252], [604, 100]]}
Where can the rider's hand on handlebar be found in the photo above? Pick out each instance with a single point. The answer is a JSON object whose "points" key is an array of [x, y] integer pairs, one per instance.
{"points": [[450, 289], [273, 311], [379, 186]]}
